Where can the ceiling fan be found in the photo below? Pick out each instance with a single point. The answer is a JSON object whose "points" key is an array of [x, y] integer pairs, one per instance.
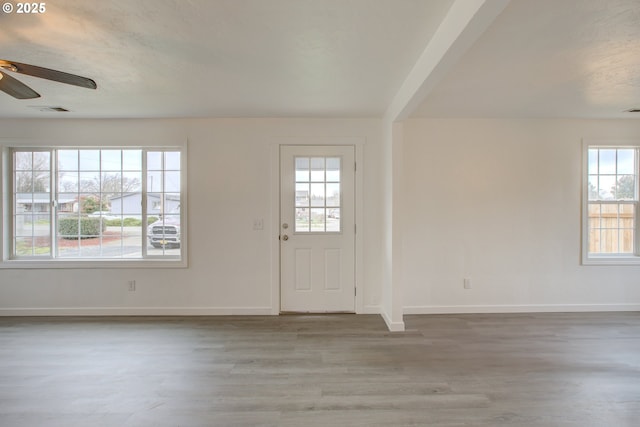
{"points": [[19, 90]]}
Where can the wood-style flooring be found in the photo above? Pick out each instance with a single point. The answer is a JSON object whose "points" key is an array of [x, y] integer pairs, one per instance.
{"points": [[580, 369]]}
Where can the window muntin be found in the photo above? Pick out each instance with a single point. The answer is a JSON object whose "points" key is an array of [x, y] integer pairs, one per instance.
{"points": [[612, 201], [99, 207], [318, 194]]}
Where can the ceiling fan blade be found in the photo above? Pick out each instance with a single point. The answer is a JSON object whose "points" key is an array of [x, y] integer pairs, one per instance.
{"points": [[16, 88], [46, 73]]}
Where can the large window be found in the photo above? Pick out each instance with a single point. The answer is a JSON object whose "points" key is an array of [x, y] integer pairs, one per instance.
{"points": [[611, 204], [95, 204]]}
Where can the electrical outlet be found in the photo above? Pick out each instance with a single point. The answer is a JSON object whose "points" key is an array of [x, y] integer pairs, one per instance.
{"points": [[132, 285], [467, 282], [258, 224]]}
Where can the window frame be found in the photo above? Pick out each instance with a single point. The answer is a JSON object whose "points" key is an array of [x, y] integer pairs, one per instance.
{"points": [[7, 260], [614, 258]]}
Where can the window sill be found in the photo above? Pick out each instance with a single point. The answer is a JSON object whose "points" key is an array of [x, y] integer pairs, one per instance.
{"points": [[93, 264], [611, 260]]}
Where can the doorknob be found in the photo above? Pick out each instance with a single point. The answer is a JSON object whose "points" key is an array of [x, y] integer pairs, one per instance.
{"points": [[285, 237]]}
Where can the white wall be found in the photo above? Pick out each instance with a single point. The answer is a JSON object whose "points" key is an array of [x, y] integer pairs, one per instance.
{"points": [[229, 184], [495, 200], [499, 201]]}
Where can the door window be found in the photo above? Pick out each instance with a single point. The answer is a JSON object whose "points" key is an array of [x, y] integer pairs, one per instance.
{"points": [[318, 194]]}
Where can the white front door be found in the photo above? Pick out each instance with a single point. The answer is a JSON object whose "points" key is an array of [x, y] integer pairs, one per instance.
{"points": [[317, 229]]}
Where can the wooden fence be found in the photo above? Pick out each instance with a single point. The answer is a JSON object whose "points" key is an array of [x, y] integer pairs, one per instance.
{"points": [[611, 228]]}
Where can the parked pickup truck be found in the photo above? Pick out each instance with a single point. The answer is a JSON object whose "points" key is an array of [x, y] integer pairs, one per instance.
{"points": [[165, 233]]}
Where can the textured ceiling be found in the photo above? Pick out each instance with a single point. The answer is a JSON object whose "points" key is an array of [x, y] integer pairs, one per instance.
{"points": [[548, 58], [322, 58], [215, 58]]}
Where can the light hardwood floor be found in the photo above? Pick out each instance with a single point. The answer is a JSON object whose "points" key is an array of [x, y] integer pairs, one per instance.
{"points": [[333, 370]]}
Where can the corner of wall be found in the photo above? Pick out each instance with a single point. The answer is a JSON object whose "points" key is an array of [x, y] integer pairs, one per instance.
{"points": [[393, 326]]}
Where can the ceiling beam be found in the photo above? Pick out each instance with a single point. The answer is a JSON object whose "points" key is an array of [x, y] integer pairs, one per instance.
{"points": [[462, 26]]}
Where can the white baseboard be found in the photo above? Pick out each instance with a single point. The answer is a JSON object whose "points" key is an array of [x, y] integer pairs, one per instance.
{"points": [[525, 308], [267, 311], [138, 311], [393, 326], [155, 311]]}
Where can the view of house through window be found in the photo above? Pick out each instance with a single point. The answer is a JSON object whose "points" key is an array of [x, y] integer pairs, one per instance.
{"points": [[612, 200], [317, 183], [96, 203]]}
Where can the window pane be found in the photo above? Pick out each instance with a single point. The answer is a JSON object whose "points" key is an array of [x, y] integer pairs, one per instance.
{"points": [[317, 194], [132, 160], [172, 160], [111, 160], [154, 160], [131, 182], [68, 203], [627, 228], [593, 161], [302, 194], [302, 169], [609, 240], [607, 161], [23, 161], [41, 161], [607, 186], [68, 182], [333, 194], [172, 204], [626, 162], [24, 246], [302, 219], [626, 187], [88, 203], [333, 219], [91, 247], [24, 225], [593, 187], [89, 182], [333, 169], [68, 160], [164, 234], [317, 169], [154, 204], [594, 216], [318, 219], [154, 181], [110, 182], [172, 181], [68, 246], [90, 160], [23, 182], [159, 204]]}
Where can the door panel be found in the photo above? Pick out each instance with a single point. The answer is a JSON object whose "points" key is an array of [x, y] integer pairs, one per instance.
{"points": [[317, 234]]}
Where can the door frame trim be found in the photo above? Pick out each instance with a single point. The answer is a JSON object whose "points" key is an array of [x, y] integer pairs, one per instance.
{"points": [[358, 143]]}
